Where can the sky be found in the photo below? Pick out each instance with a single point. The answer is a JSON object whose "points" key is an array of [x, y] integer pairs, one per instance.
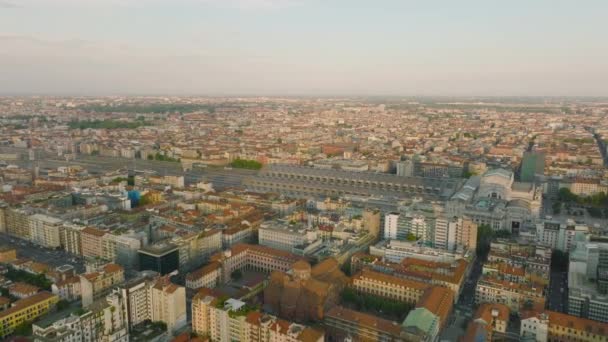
{"points": [[304, 47]]}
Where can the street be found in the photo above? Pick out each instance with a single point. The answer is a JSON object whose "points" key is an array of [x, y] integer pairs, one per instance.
{"points": [[557, 296]]}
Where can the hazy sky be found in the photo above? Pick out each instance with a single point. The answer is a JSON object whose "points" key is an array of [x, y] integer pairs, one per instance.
{"points": [[300, 47]]}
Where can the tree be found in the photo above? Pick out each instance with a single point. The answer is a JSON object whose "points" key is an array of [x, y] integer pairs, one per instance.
{"points": [[556, 207], [410, 237], [23, 329], [236, 275], [62, 305]]}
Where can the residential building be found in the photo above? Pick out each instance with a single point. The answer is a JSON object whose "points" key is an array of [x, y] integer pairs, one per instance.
{"points": [[45, 230], [98, 284], [26, 310], [342, 324], [388, 286]]}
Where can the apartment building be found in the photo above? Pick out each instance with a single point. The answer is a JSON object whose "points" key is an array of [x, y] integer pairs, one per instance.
{"points": [[226, 320], [168, 303], [26, 310], [541, 326], [388, 286], [97, 284], [91, 240], [283, 236], [45, 230], [70, 236], [428, 319], [515, 296], [342, 324], [390, 225], [206, 276]]}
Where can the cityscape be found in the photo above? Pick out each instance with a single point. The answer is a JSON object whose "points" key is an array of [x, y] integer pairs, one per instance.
{"points": [[304, 219], [303, 171]]}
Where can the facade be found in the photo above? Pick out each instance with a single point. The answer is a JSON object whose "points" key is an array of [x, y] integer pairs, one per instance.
{"points": [[162, 258], [206, 276], [431, 314], [388, 286], [98, 284], [25, 310], [342, 324], [45, 230], [556, 326], [283, 236], [532, 165], [390, 225], [515, 296], [226, 320], [168, 303]]}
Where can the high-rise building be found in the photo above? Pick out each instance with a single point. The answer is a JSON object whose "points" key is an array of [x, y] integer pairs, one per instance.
{"points": [[390, 225], [532, 164], [161, 257]]}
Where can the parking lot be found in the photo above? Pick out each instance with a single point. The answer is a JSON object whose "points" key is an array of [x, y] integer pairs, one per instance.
{"points": [[52, 257]]}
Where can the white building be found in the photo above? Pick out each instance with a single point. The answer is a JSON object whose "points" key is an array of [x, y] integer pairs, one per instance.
{"points": [[45, 230], [391, 222], [285, 237]]}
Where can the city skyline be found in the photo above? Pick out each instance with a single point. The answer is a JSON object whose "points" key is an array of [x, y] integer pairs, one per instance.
{"points": [[274, 47]]}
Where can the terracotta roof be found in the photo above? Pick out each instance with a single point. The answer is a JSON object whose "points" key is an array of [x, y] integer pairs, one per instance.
{"points": [[214, 265], [581, 324], [310, 335], [111, 268], [485, 312], [438, 300], [4, 301], [364, 320], [93, 231], [23, 288], [365, 273], [26, 302], [185, 337]]}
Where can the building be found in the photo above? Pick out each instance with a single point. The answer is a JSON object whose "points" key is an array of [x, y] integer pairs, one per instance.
{"points": [[342, 324], [45, 230], [7, 254], [515, 296], [160, 257], [430, 316], [300, 181], [532, 166], [371, 221], [253, 257], [305, 293], [97, 284], [388, 286], [390, 225], [91, 242], [22, 290], [284, 237], [588, 278], [168, 303], [556, 326], [395, 251], [137, 299], [227, 319], [495, 199], [26, 310], [206, 276], [491, 319], [559, 235]]}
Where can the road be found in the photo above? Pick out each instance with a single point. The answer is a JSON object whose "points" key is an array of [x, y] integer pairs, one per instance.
{"points": [[557, 296], [52, 257], [463, 310]]}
